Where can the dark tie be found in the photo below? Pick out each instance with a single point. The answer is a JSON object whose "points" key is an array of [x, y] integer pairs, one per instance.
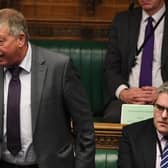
{"points": [[13, 112], [164, 157], [147, 56]]}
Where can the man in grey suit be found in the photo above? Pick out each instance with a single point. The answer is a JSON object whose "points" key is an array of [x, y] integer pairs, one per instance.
{"points": [[124, 55], [144, 143], [51, 99]]}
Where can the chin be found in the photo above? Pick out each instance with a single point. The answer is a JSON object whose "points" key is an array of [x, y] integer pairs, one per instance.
{"points": [[163, 130], [147, 8]]}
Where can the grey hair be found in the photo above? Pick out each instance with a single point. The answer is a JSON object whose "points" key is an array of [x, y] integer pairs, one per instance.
{"points": [[15, 21], [163, 88]]}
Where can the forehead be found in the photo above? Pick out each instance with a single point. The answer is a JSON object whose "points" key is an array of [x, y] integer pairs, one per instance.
{"points": [[162, 99], [4, 29]]}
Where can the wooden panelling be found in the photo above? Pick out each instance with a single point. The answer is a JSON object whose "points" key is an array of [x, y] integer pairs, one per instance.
{"points": [[107, 135], [70, 19], [78, 9], [68, 31]]}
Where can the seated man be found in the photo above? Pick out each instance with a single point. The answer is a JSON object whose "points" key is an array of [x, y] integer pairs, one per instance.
{"points": [[143, 144], [135, 63]]}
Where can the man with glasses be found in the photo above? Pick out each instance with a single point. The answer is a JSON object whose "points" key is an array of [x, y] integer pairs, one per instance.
{"points": [[143, 144]]}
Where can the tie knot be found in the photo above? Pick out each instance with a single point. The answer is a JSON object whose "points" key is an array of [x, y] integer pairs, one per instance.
{"points": [[15, 71], [150, 19]]}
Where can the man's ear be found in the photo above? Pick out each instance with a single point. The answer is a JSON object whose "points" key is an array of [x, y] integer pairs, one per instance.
{"points": [[21, 39]]}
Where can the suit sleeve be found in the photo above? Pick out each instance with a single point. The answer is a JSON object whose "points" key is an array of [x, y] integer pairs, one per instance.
{"points": [[114, 62], [78, 107], [125, 158]]}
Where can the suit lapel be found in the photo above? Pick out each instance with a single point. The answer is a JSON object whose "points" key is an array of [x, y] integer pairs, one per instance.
{"points": [[164, 54], [134, 25], [149, 143], [1, 100], [38, 73]]}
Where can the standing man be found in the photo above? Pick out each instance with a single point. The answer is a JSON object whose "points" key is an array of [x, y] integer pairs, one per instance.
{"points": [[145, 144], [136, 35], [40, 95]]}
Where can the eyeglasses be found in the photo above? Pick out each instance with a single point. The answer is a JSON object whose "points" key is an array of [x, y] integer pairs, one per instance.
{"points": [[161, 108]]}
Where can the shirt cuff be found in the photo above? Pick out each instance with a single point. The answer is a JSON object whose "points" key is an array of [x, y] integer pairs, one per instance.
{"points": [[119, 89]]}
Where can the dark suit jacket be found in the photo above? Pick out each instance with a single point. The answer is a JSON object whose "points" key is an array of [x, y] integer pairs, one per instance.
{"points": [[56, 98], [137, 147], [121, 49]]}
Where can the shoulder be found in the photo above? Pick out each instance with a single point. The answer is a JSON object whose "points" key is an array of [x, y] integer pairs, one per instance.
{"points": [[49, 55], [129, 13], [139, 127], [124, 18]]}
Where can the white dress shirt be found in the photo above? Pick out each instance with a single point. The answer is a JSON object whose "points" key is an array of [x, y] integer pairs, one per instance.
{"points": [[26, 156]]}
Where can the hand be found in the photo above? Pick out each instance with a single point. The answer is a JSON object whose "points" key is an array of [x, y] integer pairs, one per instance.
{"points": [[151, 94], [145, 95]]}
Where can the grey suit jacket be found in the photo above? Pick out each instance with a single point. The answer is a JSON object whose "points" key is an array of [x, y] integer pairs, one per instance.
{"points": [[57, 98], [122, 48], [137, 147]]}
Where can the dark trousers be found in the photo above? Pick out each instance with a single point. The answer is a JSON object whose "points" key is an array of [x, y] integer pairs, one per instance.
{"points": [[112, 112], [9, 165]]}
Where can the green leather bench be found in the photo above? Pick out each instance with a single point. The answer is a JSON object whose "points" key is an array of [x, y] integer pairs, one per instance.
{"points": [[106, 158], [88, 59]]}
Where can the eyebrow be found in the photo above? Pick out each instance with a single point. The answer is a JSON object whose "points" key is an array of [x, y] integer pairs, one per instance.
{"points": [[162, 107]]}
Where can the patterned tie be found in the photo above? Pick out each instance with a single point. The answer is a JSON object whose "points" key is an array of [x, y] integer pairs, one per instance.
{"points": [[164, 157], [13, 112], [147, 56]]}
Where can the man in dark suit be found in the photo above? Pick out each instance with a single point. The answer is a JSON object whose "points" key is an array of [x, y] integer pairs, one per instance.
{"points": [[124, 55], [142, 144], [51, 97]]}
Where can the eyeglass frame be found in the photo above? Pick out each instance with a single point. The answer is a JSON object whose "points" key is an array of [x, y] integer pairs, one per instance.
{"points": [[160, 108]]}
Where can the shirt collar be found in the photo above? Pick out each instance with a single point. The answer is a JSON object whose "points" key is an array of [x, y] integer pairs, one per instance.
{"points": [[26, 62], [160, 136]]}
